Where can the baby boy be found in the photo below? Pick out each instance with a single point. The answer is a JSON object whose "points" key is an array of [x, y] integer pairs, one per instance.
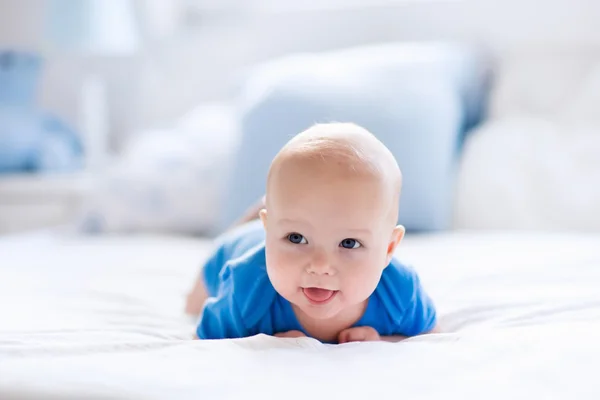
{"points": [[320, 260]]}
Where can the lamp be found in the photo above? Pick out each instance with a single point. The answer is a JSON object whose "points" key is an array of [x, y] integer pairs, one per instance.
{"points": [[92, 29]]}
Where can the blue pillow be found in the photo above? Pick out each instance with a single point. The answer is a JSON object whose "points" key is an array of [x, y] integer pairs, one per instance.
{"points": [[418, 99]]}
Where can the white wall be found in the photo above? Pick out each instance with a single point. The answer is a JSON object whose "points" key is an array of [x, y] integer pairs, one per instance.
{"points": [[202, 62]]}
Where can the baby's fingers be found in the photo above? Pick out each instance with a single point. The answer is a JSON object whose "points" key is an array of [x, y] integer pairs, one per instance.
{"points": [[343, 337], [351, 335], [358, 334]]}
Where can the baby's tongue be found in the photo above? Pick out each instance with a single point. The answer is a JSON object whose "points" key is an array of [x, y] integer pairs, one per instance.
{"points": [[317, 294]]}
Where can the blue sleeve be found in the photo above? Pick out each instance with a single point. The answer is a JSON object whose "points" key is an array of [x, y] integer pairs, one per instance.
{"points": [[414, 312], [228, 247], [221, 317], [212, 269]]}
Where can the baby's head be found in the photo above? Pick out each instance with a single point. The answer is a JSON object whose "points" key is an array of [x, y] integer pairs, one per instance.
{"points": [[330, 218]]}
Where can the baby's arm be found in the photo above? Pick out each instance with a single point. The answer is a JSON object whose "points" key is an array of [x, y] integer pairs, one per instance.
{"points": [[221, 317], [412, 310], [196, 298], [416, 313]]}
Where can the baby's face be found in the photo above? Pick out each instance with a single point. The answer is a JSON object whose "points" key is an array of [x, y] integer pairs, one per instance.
{"points": [[329, 237]]}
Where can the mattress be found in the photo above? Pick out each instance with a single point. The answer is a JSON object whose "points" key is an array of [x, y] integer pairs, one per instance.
{"points": [[102, 318]]}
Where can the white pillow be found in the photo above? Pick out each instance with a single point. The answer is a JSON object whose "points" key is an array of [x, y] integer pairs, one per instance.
{"points": [[530, 173], [169, 180]]}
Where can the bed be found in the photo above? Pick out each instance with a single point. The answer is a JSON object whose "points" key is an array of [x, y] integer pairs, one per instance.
{"points": [[101, 318]]}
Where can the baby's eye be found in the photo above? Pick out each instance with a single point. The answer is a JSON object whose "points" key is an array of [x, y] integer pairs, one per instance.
{"points": [[350, 244], [296, 238]]}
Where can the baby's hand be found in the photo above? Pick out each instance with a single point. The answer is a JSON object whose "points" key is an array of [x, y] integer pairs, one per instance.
{"points": [[358, 334], [290, 334]]}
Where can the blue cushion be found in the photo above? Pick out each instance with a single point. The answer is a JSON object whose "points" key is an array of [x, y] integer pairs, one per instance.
{"points": [[418, 99]]}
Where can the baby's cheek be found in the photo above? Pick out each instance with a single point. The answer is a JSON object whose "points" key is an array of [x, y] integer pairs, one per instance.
{"points": [[354, 288], [364, 279], [280, 272]]}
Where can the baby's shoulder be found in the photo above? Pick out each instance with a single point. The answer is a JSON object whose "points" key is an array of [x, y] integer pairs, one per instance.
{"points": [[242, 299], [397, 285], [249, 285], [402, 305], [240, 240], [400, 271]]}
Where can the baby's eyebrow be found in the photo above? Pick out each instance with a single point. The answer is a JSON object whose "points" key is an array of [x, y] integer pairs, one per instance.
{"points": [[360, 231], [292, 221]]}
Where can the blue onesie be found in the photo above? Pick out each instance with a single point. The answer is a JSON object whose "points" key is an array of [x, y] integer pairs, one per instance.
{"points": [[244, 303]]}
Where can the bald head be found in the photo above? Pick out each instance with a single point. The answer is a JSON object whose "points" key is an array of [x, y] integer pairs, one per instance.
{"points": [[339, 151]]}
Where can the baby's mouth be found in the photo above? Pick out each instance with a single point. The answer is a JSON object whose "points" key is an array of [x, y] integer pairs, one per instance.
{"points": [[319, 296]]}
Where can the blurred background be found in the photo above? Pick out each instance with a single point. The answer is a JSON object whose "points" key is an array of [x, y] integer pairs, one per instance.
{"points": [[162, 116]]}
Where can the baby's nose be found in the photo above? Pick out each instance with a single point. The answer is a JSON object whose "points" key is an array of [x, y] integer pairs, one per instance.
{"points": [[320, 265]]}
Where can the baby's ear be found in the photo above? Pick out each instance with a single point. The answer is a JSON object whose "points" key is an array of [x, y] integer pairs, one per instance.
{"points": [[263, 217], [396, 238]]}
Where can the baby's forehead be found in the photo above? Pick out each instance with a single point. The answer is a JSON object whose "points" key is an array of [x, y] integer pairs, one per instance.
{"points": [[343, 163], [331, 153], [334, 188]]}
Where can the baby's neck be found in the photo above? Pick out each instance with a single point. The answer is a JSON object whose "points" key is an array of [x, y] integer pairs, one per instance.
{"points": [[327, 330]]}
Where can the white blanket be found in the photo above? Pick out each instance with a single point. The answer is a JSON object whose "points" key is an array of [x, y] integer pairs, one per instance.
{"points": [[102, 318]]}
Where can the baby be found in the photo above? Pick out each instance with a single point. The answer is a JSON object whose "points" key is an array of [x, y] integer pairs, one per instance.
{"points": [[320, 261]]}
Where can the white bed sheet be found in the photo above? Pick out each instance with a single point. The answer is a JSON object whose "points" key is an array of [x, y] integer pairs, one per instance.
{"points": [[102, 318]]}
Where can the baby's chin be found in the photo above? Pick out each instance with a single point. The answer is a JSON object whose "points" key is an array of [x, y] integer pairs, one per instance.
{"points": [[319, 312]]}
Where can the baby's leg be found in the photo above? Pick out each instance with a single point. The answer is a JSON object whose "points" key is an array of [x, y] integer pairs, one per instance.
{"points": [[196, 298], [198, 295]]}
